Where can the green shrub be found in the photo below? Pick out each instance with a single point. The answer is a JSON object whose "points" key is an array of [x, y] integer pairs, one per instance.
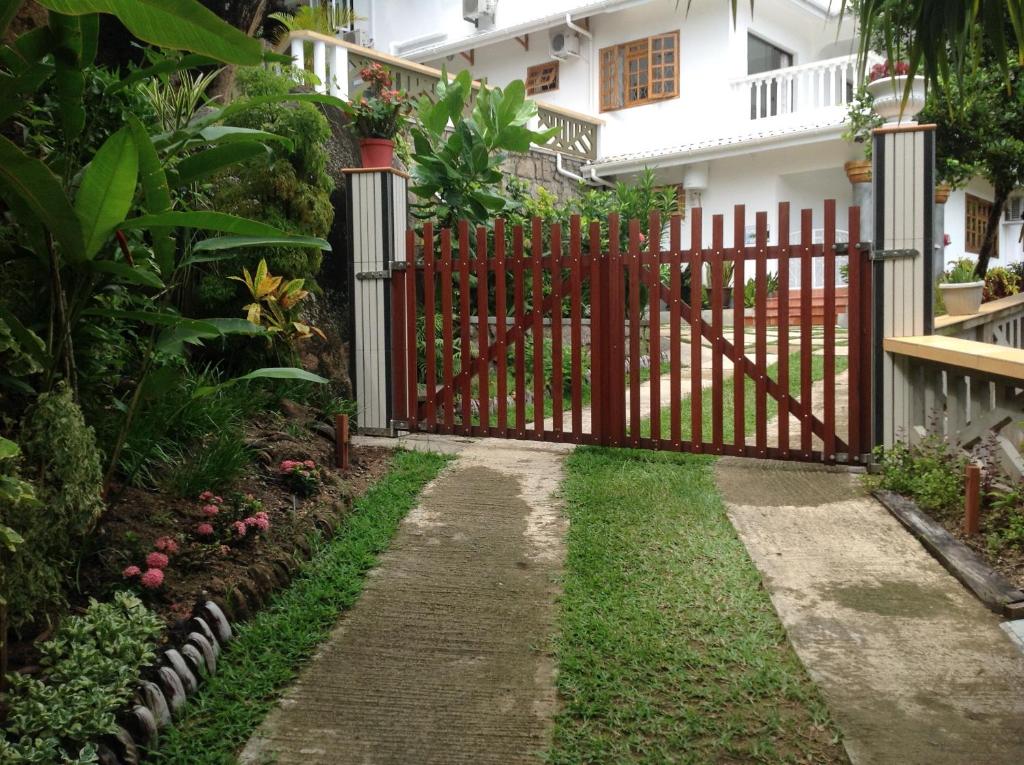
{"points": [[930, 472], [999, 283], [63, 464], [89, 671]]}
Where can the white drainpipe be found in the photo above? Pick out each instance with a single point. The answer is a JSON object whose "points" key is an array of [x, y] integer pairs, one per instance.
{"points": [[592, 181]]}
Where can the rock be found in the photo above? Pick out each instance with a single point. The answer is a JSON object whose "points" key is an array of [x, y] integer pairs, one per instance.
{"points": [[294, 411], [105, 755], [123, 747], [177, 663], [173, 689], [140, 723], [153, 699], [325, 430], [217, 621], [263, 579], [198, 624], [237, 605], [194, 659], [204, 647], [252, 594]]}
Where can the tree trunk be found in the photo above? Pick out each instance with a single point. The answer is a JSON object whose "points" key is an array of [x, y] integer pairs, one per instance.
{"points": [[991, 241], [247, 16]]}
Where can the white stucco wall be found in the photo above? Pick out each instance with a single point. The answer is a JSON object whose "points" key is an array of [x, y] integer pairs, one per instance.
{"points": [[955, 219]]}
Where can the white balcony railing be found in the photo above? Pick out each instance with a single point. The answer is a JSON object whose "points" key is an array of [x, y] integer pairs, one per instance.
{"points": [[820, 89]]}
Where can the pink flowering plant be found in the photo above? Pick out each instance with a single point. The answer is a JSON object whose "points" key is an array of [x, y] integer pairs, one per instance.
{"points": [[301, 477], [380, 111], [151, 576], [223, 523], [888, 69]]}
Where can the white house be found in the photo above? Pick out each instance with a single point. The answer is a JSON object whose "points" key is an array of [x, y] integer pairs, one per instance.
{"points": [[735, 110]]}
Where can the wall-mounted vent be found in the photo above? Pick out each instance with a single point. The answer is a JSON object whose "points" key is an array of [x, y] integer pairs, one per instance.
{"points": [[564, 43], [479, 11], [1014, 210]]}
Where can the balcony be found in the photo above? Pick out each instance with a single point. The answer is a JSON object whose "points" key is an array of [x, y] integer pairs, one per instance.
{"points": [[336, 64], [808, 94]]}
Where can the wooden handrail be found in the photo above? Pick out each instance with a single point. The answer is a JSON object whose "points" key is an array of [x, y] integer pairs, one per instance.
{"points": [[967, 354], [994, 310]]}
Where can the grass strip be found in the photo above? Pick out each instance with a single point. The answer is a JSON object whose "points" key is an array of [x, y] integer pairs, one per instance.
{"points": [[670, 650], [268, 650]]}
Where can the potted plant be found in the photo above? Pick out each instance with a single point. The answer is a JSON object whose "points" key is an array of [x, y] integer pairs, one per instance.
{"points": [[942, 191], [377, 116], [961, 289], [861, 119], [887, 84]]}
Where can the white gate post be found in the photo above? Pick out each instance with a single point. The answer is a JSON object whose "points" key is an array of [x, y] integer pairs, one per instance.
{"points": [[376, 223], [902, 285]]}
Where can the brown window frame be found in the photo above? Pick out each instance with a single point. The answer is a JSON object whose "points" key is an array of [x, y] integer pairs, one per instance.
{"points": [[976, 213], [542, 78], [635, 73]]}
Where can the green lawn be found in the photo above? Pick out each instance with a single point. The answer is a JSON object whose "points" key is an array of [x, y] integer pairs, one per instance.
{"points": [[270, 649], [670, 651]]}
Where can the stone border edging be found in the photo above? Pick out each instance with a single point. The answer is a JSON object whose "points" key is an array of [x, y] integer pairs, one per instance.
{"points": [[986, 584]]}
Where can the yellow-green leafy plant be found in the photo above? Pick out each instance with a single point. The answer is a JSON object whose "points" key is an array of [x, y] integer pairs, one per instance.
{"points": [[275, 303]]}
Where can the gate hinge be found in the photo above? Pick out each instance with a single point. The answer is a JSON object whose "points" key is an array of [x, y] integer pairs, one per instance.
{"points": [[367, 275], [893, 254]]}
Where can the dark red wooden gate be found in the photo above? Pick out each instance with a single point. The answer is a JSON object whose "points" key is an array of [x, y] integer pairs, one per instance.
{"points": [[600, 336]]}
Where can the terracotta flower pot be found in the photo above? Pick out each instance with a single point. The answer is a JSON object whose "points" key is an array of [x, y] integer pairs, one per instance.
{"points": [[376, 152], [942, 193], [858, 170]]}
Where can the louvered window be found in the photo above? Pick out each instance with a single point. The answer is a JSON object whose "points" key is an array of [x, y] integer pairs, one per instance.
{"points": [[542, 78], [640, 72], [976, 223]]}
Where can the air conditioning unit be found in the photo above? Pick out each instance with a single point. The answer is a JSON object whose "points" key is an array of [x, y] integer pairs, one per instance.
{"points": [[479, 10], [357, 37], [564, 43], [1014, 210]]}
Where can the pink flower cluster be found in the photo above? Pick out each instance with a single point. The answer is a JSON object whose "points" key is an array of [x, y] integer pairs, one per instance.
{"points": [[288, 465], [220, 515], [888, 69], [156, 561], [210, 509]]}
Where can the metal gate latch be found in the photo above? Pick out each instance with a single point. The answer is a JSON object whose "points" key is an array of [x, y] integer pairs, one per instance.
{"points": [[893, 254]]}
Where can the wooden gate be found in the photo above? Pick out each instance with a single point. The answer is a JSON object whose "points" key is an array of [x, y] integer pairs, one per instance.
{"points": [[626, 338]]}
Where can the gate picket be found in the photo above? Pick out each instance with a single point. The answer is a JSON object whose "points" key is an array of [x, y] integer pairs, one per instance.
{"points": [[618, 282], [783, 328], [739, 294], [429, 319], [500, 322], [483, 330]]}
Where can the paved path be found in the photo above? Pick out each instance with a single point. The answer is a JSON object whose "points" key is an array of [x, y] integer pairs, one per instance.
{"points": [[444, 658], [915, 671]]}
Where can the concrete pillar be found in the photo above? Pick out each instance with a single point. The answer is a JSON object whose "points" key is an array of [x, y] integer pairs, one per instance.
{"points": [[903, 177], [376, 210]]}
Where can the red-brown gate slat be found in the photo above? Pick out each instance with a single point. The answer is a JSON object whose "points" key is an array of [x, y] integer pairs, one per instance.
{"points": [[654, 320], [829, 334], [600, 413], [853, 336], [717, 403], [614, 328], [483, 330], [576, 326], [761, 331], [536, 253], [556, 331], [465, 346], [447, 330], [500, 323], [634, 332], [783, 328], [805, 332], [411, 352], [674, 340], [518, 289], [696, 333], [429, 319], [739, 283]]}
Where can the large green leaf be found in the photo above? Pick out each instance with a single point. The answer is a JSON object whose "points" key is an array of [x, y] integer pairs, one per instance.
{"points": [[107, 190], [272, 373], [128, 273], [167, 66], [204, 219], [43, 194], [8, 10], [178, 24], [206, 163], [235, 242], [156, 192], [8, 449], [173, 339], [229, 133], [69, 78]]}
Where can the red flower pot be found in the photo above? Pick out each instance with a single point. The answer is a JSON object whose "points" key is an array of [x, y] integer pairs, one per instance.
{"points": [[376, 152]]}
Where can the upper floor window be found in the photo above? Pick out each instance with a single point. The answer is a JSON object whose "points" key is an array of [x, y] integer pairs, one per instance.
{"points": [[542, 78], [640, 72], [762, 56], [767, 97], [978, 211]]}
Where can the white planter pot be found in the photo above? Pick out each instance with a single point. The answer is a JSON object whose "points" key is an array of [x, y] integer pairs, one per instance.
{"points": [[961, 299], [888, 95]]}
